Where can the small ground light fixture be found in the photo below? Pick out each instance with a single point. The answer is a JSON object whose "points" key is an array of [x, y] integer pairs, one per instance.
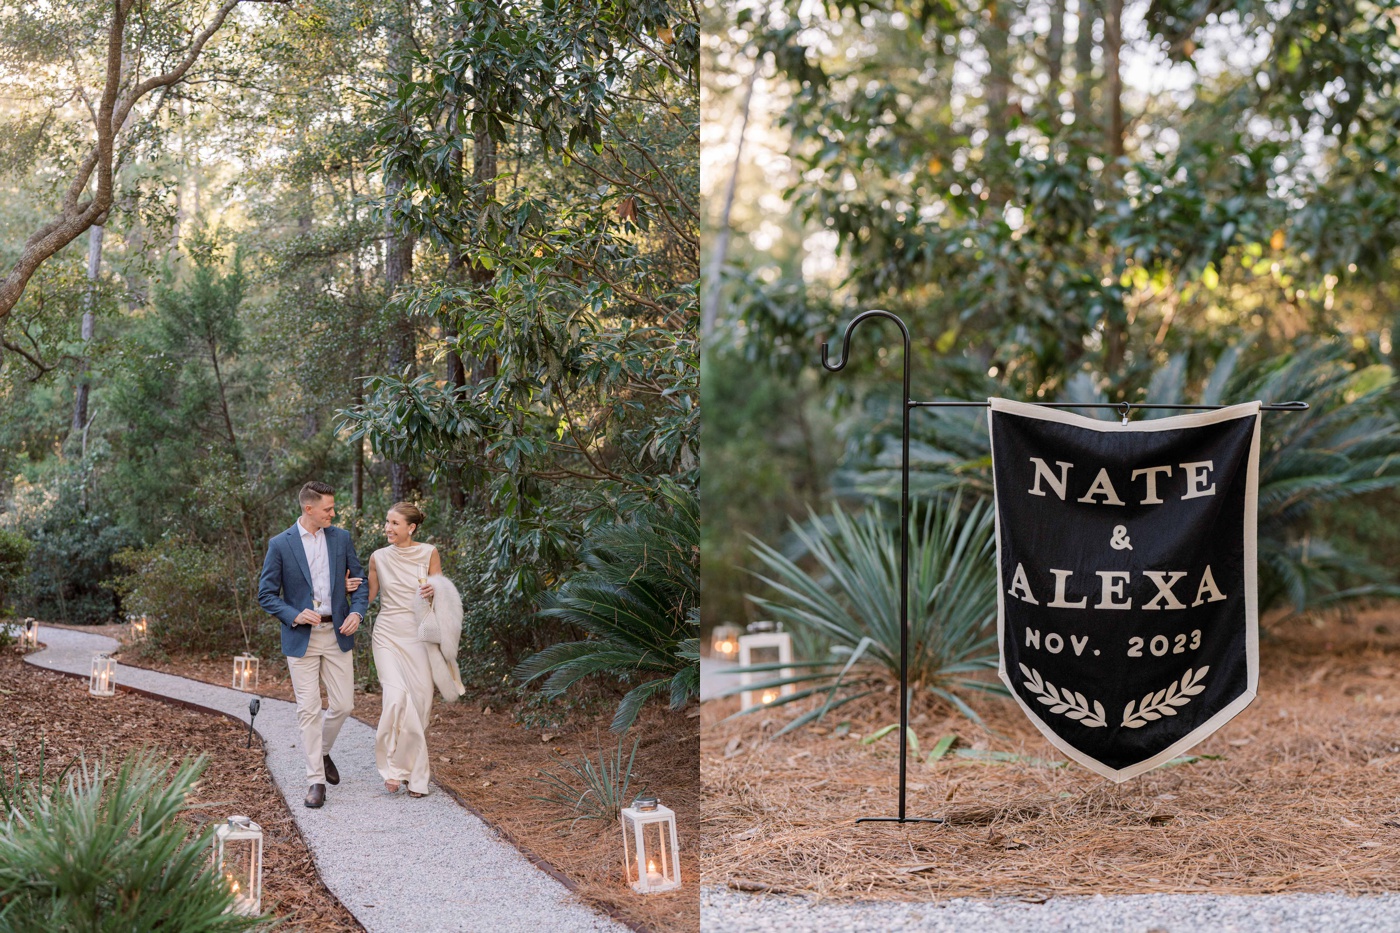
{"points": [[103, 682], [245, 672], [650, 852], [765, 643], [724, 641], [238, 863]]}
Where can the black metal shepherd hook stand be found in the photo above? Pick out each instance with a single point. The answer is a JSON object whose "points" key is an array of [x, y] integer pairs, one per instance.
{"points": [[908, 406]]}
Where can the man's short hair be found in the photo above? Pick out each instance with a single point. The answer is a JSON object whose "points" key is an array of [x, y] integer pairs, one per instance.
{"points": [[312, 492]]}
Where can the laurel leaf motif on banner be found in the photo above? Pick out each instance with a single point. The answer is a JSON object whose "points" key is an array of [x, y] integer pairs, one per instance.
{"points": [[1164, 702], [1066, 702]]}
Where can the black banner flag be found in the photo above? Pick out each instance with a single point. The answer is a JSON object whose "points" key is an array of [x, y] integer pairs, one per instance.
{"points": [[1127, 606]]}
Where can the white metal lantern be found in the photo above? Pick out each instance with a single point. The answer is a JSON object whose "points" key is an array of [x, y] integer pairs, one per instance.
{"points": [[245, 672], [238, 861], [765, 648], [724, 641], [103, 682], [138, 628], [29, 634], [651, 855]]}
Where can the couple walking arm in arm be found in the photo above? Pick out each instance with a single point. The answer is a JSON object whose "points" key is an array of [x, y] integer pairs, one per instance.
{"points": [[311, 583]]}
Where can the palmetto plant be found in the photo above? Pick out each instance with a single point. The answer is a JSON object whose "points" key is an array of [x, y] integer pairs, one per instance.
{"points": [[588, 792], [851, 598], [104, 851], [1347, 444], [638, 600]]}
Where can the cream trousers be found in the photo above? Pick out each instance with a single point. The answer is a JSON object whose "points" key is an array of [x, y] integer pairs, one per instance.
{"points": [[324, 663]]}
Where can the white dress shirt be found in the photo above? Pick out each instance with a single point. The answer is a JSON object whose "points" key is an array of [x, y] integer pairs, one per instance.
{"points": [[318, 560]]}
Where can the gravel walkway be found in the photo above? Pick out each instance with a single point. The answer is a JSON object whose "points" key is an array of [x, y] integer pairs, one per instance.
{"points": [[725, 911], [715, 677], [397, 864]]}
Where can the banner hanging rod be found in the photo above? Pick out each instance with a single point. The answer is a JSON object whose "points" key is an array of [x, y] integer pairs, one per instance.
{"points": [[1118, 406]]}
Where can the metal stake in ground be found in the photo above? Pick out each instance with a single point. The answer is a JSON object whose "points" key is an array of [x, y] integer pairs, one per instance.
{"points": [[906, 403]]}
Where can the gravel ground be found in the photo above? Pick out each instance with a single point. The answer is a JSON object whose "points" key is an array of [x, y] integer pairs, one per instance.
{"points": [[715, 678], [396, 863], [732, 912]]}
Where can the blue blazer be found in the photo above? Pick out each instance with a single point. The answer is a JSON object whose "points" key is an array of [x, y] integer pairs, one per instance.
{"points": [[285, 587]]}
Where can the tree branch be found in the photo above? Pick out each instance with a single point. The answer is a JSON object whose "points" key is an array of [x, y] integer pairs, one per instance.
{"points": [[76, 216]]}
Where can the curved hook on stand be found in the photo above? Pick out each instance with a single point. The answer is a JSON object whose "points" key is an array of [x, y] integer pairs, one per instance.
{"points": [[846, 344]]}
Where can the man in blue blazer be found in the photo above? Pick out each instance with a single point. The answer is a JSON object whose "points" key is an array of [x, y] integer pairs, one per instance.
{"points": [[304, 586]]}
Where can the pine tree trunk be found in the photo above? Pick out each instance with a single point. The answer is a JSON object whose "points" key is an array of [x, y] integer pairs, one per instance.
{"points": [[710, 313], [80, 402], [1113, 79], [1055, 59], [995, 39], [1084, 65], [398, 269]]}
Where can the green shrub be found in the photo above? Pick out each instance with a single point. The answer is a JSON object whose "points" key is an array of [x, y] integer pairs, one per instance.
{"points": [[105, 851], [852, 599], [497, 628], [638, 601], [196, 598], [73, 539], [14, 557]]}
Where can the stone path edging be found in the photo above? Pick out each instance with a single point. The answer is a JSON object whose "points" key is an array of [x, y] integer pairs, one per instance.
{"points": [[455, 875]]}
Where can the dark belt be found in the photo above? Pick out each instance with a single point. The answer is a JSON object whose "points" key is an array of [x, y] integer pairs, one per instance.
{"points": [[327, 620]]}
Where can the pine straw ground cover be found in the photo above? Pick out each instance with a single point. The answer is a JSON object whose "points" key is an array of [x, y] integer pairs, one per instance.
{"points": [[1305, 794], [39, 705], [486, 759]]}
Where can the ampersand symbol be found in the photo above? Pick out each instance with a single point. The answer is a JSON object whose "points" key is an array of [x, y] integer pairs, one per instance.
{"points": [[1120, 541]]}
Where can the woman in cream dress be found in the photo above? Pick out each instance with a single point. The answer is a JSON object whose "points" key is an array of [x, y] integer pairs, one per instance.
{"points": [[398, 572]]}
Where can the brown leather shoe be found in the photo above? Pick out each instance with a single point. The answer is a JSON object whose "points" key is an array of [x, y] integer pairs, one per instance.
{"points": [[317, 796], [332, 775]]}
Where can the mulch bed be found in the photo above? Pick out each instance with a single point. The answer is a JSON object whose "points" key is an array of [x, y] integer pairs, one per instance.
{"points": [[482, 755], [39, 706], [1305, 795]]}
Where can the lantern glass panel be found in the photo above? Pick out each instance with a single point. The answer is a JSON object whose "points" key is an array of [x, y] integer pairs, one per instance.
{"points": [[651, 857], [29, 634], [103, 682], [238, 863]]}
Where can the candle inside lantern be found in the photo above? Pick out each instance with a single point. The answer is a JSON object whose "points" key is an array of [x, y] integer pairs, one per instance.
{"points": [[769, 696]]}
